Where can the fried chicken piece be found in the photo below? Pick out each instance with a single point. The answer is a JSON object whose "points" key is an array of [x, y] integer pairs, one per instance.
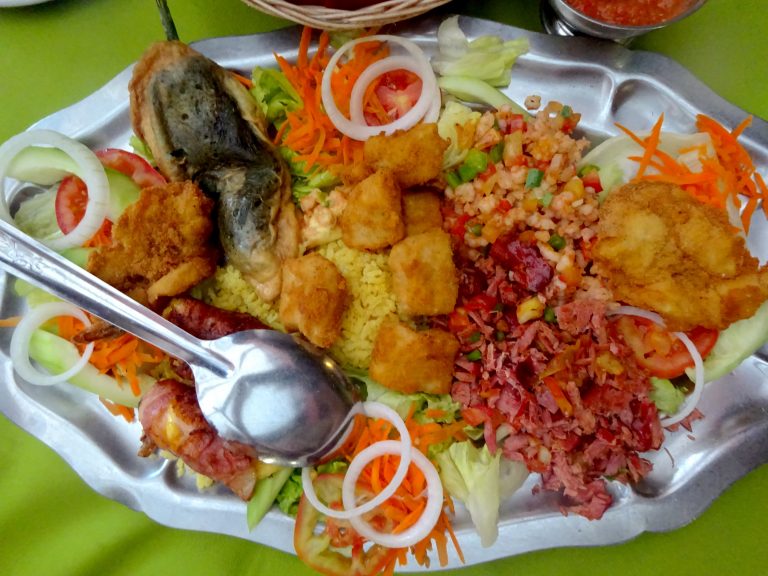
{"points": [[161, 245], [411, 361], [424, 276], [659, 248], [421, 211], [414, 156], [373, 216], [314, 298]]}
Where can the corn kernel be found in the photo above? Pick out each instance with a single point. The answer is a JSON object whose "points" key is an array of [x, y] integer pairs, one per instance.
{"points": [[530, 204], [530, 309], [575, 186]]}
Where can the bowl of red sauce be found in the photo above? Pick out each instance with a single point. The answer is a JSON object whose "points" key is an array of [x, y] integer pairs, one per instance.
{"points": [[614, 19]]}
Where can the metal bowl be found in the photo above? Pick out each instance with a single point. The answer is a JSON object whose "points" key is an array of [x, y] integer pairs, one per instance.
{"points": [[560, 18]]}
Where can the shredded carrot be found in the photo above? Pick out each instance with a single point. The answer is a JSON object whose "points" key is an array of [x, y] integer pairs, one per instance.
{"points": [[730, 174], [10, 322], [308, 131], [406, 506], [243, 80], [119, 410], [123, 357]]}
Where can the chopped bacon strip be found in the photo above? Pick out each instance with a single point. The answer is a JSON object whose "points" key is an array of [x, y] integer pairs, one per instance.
{"points": [[172, 420]]}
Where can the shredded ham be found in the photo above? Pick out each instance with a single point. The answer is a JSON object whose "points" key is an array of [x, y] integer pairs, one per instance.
{"points": [[599, 427]]}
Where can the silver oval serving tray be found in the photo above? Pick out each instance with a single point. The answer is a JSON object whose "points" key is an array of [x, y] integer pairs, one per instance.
{"points": [[607, 84]]}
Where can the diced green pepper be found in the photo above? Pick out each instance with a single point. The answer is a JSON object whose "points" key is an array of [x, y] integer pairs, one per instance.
{"points": [[453, 179], [587, 169], [475, 229], [497, 152], [474, 356], [474, 337], [549, 315], [534, 178], [566, 112], [546, 200], [476, 162], [557, 242]]}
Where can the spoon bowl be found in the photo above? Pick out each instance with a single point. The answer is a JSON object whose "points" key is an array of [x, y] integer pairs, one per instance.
{"points": [[273, 391]]}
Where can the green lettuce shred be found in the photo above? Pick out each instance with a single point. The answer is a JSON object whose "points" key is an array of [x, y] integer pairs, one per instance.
{"points": [[667, 397], [290, 494], [274, 94]]}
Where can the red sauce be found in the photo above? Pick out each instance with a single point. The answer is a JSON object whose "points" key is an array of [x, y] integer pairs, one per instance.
{"points": [[631, 12]]}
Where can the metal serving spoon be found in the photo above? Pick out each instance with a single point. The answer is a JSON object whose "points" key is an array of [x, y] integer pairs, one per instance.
{"points": [[270, 390]]}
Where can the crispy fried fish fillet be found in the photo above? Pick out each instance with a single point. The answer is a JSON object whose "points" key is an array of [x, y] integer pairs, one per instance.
{"points": [[162, 245], [658, 248]]}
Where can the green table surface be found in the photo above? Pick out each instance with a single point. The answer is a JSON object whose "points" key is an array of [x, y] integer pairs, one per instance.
{"points": [[52, 523]]}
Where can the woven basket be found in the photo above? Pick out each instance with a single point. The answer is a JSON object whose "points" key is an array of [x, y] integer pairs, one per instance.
{"points": [[333, 19]]}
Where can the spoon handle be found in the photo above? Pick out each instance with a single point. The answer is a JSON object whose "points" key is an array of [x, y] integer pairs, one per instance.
{"points": [[39, 265]]}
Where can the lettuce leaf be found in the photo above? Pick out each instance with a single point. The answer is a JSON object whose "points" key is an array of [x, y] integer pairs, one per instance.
{"points": [[481, 481], [734, 344], [457, 124], [290, 494], [667, 397], [487, 58], [274, 94]]}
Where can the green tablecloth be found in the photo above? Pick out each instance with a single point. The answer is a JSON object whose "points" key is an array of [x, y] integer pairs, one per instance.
{"points": [[51, 523]]}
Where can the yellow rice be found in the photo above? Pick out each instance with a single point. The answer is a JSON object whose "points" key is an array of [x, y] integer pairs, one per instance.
{"points": [[371, 300]]}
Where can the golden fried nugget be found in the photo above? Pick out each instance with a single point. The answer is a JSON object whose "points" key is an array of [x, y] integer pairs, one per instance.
{"points": [[424, 277], [162, 245], [373, 216], [661, 249], [421, 211], [414, 156], [313, 299], [411, 361]]}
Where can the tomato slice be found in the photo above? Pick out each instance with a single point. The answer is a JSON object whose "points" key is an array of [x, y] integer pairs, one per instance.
{"points": [[72, 194], [316, 549], [71, 199], [132, 165], [398, 91], [660, 351]]}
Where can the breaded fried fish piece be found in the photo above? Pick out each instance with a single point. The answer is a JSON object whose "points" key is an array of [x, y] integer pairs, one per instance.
{"points": [[409, 360], [414, 156], [661, 249], [201, 124], [162, 244], [314, 298]]}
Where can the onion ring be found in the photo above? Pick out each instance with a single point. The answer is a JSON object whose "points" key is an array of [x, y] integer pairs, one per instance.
{"points": [[92, 174], [376, 410], [361, 131], [32, 320], [429, 516]]}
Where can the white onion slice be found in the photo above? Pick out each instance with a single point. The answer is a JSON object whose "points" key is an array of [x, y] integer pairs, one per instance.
{"points": [[417, 111], [373, 410], [429, 516], [360, 130], [92, 173], [698, 384], [22, 335]]}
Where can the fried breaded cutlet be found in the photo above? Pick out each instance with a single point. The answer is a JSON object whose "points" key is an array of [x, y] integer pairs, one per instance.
{"points": [[661, 249], [162, 245]]}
